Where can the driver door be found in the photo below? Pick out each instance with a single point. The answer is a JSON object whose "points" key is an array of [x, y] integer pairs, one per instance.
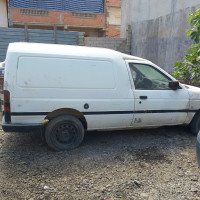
{"points": [[155, 103]]}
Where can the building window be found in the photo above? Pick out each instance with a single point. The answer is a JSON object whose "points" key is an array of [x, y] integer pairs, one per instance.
{"points": [[84, 15], [34, 12]]}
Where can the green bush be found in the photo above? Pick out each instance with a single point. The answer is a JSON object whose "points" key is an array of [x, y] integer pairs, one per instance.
{"points": [[188, 69]]}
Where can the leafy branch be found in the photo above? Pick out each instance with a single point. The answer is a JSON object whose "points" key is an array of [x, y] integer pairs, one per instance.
{"points": [[188, 69]]}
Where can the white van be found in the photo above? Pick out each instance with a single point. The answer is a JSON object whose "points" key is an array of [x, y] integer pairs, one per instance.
{"points": [[65, 90]]}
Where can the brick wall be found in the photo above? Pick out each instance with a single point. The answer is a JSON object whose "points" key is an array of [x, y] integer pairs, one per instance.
{"points": [[113, 31], [103, 24], [52, 18], [68, 19], [55, 17], [113, 18], [115, 3]]}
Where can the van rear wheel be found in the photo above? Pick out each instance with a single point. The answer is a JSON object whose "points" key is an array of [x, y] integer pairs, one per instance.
{"points": [[65, 132]]}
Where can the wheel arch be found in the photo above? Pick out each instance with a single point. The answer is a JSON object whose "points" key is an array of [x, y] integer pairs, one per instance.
{"points": [[195, 115], [195, 123], [68, 111]]}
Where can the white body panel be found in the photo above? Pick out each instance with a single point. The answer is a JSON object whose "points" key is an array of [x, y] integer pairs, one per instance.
{"points": [[159, 103], [42, 82], [43, 78]]}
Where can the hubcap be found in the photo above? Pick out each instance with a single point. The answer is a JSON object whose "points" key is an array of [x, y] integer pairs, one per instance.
{"points": [[65, 133]]}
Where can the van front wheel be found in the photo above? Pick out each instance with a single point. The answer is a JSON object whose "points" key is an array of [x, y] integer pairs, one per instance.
{"points": [[195, 124], [65, 132]]}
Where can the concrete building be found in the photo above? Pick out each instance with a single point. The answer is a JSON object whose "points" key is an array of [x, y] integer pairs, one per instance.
{"points": [[97, 18], [159, 29], [3, 14]]}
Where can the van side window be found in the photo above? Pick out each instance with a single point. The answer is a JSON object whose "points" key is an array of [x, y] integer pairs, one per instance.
{"points": [[145, 77]]}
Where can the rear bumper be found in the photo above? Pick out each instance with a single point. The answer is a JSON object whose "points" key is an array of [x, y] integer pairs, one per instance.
{"points": [[198, 149], [21, 127]]}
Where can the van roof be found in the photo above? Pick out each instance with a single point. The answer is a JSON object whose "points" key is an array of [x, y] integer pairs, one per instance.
{"points": [[55, 49]]}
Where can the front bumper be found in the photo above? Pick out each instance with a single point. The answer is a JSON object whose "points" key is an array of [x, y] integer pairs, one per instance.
{"points": [[198, 149], [21, 127]]}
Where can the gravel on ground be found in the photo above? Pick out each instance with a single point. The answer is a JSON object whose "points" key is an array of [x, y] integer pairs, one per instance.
{"points": [[153, 164]]}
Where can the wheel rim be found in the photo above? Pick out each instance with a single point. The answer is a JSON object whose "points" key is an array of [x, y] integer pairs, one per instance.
{"points": [[65, 133]]}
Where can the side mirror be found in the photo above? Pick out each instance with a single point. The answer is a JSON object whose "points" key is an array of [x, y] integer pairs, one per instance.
{"points": [[174, 85]]}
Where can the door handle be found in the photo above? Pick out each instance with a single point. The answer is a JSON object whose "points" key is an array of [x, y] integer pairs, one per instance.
{"points": [[143, 97]]}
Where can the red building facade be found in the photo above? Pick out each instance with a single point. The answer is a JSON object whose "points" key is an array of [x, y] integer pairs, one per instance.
{"points": [[105, 24]]}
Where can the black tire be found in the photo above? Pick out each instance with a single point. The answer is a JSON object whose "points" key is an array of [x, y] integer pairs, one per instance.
{"points": [[65, 132], [195, 124]]}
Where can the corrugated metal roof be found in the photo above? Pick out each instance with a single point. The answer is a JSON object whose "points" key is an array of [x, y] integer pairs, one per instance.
{"points": [[91, 6]]}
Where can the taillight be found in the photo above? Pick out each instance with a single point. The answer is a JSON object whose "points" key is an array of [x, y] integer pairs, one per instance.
{"points": [[7, 106]]}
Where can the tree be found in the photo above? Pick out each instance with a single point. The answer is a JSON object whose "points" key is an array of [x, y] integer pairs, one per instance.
{"points": [[188, 69]]}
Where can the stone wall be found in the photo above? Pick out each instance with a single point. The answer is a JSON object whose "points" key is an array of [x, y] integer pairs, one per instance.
{"points": [[159, 29], [118, 44]]}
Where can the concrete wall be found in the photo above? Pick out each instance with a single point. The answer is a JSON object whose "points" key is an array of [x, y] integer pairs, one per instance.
{"points": [[3, 14], [114, 15], [118, 44], [159, 29]]}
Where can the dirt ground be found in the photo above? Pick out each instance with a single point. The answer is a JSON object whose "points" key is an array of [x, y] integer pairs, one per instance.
{"points": [[154, 164]]}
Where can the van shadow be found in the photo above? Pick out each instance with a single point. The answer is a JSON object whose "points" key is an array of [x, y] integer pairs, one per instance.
{"points": [[25, 152]]}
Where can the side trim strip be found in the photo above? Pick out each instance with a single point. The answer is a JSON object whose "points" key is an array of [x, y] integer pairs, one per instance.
{"points": [[28, 113], [106, 112], [137, 112]]}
